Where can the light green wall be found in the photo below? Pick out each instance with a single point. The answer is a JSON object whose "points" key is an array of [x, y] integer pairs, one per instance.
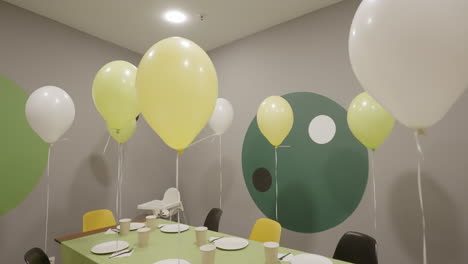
{"points": [[23, 154]]}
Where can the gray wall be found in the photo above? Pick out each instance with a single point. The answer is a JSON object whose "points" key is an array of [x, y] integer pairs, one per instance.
{"points": [[35, 51], [310, 54]]}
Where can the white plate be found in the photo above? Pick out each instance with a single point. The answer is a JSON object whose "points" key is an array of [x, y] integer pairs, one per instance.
{"points": [[310, 259], [109, 247], [134, 226], [172, 261], [231, 243], [174, 229]]}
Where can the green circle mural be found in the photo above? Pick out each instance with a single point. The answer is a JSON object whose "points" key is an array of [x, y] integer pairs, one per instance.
{"points": [[23, 155], [321, 176]]}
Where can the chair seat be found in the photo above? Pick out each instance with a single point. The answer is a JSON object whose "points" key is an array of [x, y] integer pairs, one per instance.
{"points": [[171, 202], [156, 206], [152, 205], [266, 230], [36, 256], [212, 219], [355, 247], [98, 219]]}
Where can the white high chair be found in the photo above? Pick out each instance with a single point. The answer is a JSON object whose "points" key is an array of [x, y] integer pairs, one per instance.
{"points": [[170, 203]]}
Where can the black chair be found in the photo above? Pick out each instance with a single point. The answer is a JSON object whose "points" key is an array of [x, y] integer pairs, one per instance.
{"points": [[36, 256], [213, 218], [357, 248]]}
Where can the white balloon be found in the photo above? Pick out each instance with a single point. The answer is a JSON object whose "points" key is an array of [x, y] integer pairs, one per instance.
{"points": [[222, 116], [50, 112], [411, 56]]}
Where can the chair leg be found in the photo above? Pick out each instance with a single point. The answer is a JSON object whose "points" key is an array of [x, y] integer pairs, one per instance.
{"points": [[182, 216], [170, 214], [178, 215], [185, 217]]}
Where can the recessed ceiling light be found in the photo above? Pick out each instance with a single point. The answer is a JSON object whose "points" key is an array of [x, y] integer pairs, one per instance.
{"points": [[175, 16]]}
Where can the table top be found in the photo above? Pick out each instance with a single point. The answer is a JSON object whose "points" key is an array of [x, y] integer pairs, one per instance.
{"points": [[76, 248], [92, 232]]}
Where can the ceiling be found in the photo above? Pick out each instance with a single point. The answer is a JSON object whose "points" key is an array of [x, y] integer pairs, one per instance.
{"points": [[137, 24]]}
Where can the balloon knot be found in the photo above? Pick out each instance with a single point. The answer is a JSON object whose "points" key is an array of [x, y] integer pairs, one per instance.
{"points": [[420, 132], [180, 152]]}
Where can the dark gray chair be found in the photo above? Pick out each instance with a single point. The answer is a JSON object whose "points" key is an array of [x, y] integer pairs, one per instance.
{"points": [[357, 248], [36, 256], [213, 218]]}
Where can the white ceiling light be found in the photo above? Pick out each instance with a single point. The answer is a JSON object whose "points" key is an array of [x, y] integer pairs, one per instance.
{"points": [[175, 16]]}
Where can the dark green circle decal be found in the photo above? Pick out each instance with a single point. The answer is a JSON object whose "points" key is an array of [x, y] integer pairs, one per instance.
{"points": [[23, 155], [321, 176]]}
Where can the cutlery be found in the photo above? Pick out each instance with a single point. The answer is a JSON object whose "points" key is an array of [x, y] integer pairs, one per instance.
{"points": [[121, 252], [284, 256], [216, 239]]}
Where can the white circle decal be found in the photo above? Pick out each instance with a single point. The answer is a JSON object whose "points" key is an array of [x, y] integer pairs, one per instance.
{"points": [[322, 129]]}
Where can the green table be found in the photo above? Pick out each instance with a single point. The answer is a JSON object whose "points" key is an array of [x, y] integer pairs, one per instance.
{"points": [[162, 246]]}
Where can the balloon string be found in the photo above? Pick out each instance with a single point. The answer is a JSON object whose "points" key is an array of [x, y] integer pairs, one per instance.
{"points": [[117, 210], [47, 198], [122, 172], [178, 212], [418, 144], [120, 159], [220, 173], [177, 172], [119, 173], [375, 193], [423, 217], [107, 144], [117, 184], [276, 184], [200, 140]]}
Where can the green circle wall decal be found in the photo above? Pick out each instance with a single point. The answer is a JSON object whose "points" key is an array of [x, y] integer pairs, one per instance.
{"points": [[321, 176], [23, 155]]}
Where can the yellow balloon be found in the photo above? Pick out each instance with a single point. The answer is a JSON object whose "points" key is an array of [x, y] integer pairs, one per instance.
{"points": [[275, 119], [114, 92], [177, 90], [369, 122], [124, 133]]}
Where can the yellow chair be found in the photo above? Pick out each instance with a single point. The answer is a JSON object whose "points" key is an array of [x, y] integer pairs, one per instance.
{"points": [[98, 219], [266, 230]]}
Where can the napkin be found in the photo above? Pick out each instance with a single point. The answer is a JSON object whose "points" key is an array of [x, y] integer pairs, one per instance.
{"points": [[110, 232], [287, 258]]}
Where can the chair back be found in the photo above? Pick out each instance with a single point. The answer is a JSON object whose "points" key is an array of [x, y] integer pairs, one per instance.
{"points": [[96, 219], [357, 248], [266, 230], [171, 196], [213, 218], [36, 256]]}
